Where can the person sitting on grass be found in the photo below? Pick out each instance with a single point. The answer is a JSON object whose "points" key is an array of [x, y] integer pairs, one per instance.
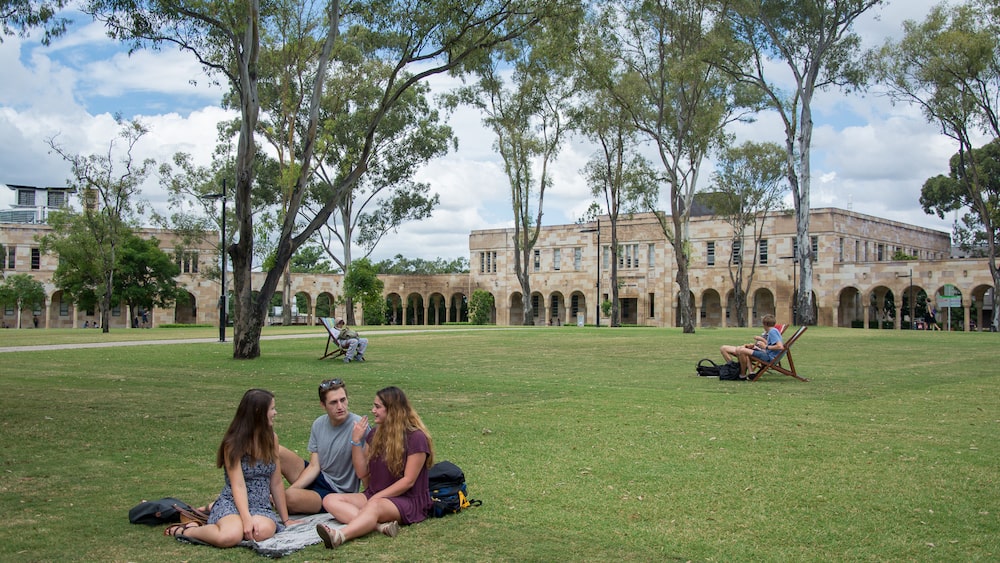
{"points": [[249, 453], [392, 462], [765, 347]]}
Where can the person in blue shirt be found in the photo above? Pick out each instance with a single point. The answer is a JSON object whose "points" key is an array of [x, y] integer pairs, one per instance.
{"points": [[765, 347]]}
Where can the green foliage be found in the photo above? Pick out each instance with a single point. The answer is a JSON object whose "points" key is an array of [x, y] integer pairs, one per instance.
{"points": [[310, 259], [361, 285], [869, 461], [606, 308], [480, 307], [21, 16], [403, 266], [973, 185], [146, 276], [22, 291], [901, 254]]}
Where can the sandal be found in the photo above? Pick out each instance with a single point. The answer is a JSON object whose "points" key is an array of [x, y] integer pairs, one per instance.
{"points": [[177, 530], [332, 537], [389, 528]]}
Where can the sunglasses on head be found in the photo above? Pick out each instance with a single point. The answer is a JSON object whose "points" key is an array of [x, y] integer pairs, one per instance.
{"points": [[331, 383]]}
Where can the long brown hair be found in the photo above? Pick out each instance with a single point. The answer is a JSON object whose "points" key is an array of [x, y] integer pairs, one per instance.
{"points": [[390, 439], [249, 433]]}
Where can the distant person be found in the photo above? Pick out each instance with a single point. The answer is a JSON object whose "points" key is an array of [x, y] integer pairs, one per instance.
{"points": [[86, 324], [764, 347], [932, 323], [249, 454], [34, 320], [356, 345], [392, 461], [330, 468]]}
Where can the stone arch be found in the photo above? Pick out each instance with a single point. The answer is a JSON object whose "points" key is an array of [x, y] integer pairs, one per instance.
{"points": [[437, 310], [325, 306], [414, 313], [515, 309], [982, 307], [539, 308], [711, 309], [186, 309], [850, 312], [558, 314], [458, 308], [881, 307], [393, 309], [303, 304], [763, 303], [578, 306]]}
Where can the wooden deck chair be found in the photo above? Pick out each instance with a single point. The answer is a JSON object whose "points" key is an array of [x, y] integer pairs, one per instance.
{"points": [[775, 364], [781, 328], [339, 349]]}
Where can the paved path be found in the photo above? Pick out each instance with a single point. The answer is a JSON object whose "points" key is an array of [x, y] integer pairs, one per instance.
{"points": [[229, 342]]}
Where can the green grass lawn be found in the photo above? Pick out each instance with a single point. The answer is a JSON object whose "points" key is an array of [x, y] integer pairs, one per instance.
{"points": [[584, 444]]}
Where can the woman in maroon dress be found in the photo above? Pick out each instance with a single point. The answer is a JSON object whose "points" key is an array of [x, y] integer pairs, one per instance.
{"points": [[392, 461]]}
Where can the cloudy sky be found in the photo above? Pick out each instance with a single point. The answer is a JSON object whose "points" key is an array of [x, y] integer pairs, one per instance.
{"points": [[868, 155]]}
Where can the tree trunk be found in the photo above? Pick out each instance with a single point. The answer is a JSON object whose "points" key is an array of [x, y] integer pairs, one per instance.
{"points": [[683, 283]]}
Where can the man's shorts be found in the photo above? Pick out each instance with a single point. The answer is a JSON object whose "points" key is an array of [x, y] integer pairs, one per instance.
{"points": [[765, 355], [320, 485]]}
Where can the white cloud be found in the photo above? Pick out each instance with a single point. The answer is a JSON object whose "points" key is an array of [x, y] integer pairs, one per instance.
{"points": [[868, 154]]}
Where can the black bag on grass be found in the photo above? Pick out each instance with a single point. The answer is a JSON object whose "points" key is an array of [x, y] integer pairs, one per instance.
{"points": [[729, 371], [157, 512], [449, 493]]}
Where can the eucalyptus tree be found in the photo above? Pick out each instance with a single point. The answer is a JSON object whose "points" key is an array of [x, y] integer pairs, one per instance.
{"points": [[524, 92], [949, 66], [417, 38], [21, 16], [747, 185], [385, 197], [814, 41], [108, 186], [619, 176], [664, 74]]}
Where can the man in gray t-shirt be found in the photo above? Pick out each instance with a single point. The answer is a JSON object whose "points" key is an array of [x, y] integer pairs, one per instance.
{"points": [[329, 469]]}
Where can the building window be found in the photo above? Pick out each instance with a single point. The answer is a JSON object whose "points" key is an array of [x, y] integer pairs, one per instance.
{"points": [[57, 199], [815, 247], [574, 304], [554, 307], [857, 251], [650, 255], [535, 305], [629, 256], [63, 307], [488, 262], [537, 260], [652, 305], [556, 259], [840, 250], [737, 251], [607, 257], [26, 198], [194, 262], [36, 259], [880, 252], [710, 253], [11, 257], [577, 258], [762, 251]]}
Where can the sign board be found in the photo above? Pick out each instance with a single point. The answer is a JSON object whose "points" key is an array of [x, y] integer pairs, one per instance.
{"points": [[949, 302]]}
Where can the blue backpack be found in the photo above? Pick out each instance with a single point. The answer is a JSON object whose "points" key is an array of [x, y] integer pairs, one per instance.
{"points": [[449, 494]]}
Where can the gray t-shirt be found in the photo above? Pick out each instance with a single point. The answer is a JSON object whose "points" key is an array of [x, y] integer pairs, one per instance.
{"points": [[333, 444]]}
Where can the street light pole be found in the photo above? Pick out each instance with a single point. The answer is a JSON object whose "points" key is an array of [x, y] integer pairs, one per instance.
{"points": [[222, 248]]}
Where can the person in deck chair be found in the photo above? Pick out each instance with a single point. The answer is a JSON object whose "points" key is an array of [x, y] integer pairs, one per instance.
{"points": [[356, 345], [765, 347]]}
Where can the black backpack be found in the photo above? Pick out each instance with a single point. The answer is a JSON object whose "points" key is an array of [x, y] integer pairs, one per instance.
{"points": [[729, 371], [449, 494]]}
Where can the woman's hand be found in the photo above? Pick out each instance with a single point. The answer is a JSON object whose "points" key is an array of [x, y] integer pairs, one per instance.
{"points": [[360, 429]]}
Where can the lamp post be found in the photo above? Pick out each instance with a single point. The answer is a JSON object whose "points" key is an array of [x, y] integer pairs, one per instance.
{"points": [[597, 308], [222, 247]]}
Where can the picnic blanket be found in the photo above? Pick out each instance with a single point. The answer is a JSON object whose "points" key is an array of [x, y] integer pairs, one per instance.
{"points": [[292, 539]]}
